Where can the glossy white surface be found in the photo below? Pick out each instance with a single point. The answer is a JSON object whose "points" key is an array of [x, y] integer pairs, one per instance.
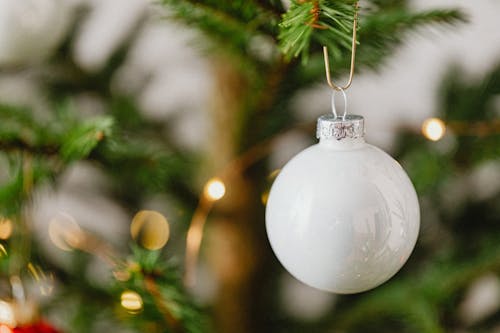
{"points": [[342, 216]]}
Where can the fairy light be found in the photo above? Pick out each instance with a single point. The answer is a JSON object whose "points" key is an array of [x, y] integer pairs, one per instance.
{"points": [[193, 242], [131, 301], [433, 129], [64, 232], [44, 281], [215, 189], [5, 329], [150, 229], [7, 317], [5, 228]]}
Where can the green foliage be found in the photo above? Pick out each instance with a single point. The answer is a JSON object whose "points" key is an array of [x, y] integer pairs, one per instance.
{"points": [[331, 22], [81, 139], [382, 29], [305, 27], [167, 307], [230, 24], [34, 149]]}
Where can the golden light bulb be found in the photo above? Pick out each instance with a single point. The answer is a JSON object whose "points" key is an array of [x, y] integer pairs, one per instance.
{"points": [[131, 301], [215, 189], [150, 229], [433, 129]]}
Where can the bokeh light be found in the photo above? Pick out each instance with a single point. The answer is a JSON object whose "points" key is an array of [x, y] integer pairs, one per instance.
{"points": [[6, 227], [44, 281], [7, 315], [150, 229], [64, 232], [433, 129], [5, 329], [215, 189], [131, 301]]}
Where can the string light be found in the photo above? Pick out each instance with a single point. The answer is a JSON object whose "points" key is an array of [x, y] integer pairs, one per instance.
{"points": [[215, 189], [5, 228], [433, 129], [131, 301], [150, 229], [44, 281], [7, 317]]}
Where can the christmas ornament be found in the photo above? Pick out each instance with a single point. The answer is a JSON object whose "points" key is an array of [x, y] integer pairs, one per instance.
{"points": [[342, 215]]}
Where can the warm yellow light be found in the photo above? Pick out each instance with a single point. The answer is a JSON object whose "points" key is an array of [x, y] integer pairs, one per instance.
{"points": [[44, 281], [433, 129], [131, 301], [5, 228], [64, 232], [6, 316], [194, 237], [150, 229], [5, 329], [215, 189]]}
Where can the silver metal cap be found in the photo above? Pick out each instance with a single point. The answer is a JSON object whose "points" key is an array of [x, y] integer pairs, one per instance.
{"points": [[339, 128]]}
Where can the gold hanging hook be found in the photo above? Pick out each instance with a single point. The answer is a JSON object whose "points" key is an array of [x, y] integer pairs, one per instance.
{"points": [[353, 56]]}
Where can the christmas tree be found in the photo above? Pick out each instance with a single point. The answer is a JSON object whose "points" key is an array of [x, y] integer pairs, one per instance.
{"points": [[113, 220]]}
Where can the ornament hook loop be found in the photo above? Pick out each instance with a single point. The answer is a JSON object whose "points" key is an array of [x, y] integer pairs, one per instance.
{"points": [[353, 56], [334, 109]]}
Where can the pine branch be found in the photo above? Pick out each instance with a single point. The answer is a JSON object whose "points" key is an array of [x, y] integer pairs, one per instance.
{"points": [[163, 294], [382, 31], [327, 21], [16, 145], [162, 169], [330, 23], [39, 148], [63, 136], [230, 23], [81, 139]]}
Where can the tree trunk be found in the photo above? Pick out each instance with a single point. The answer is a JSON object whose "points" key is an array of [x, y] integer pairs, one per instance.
{"points": [[232, 244]]}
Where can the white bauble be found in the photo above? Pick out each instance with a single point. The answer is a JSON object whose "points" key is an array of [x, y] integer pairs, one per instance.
{"points": [[30, 30], [342, 215]]}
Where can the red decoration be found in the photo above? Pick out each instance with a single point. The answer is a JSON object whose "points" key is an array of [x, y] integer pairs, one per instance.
{"points": [[40, 327]]}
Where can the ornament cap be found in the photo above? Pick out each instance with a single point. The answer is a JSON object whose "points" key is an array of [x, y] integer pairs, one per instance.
{"points": [[339, 128]]}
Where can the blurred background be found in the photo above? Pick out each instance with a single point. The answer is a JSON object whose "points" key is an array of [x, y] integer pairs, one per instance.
{"points": [[139, 141]]}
